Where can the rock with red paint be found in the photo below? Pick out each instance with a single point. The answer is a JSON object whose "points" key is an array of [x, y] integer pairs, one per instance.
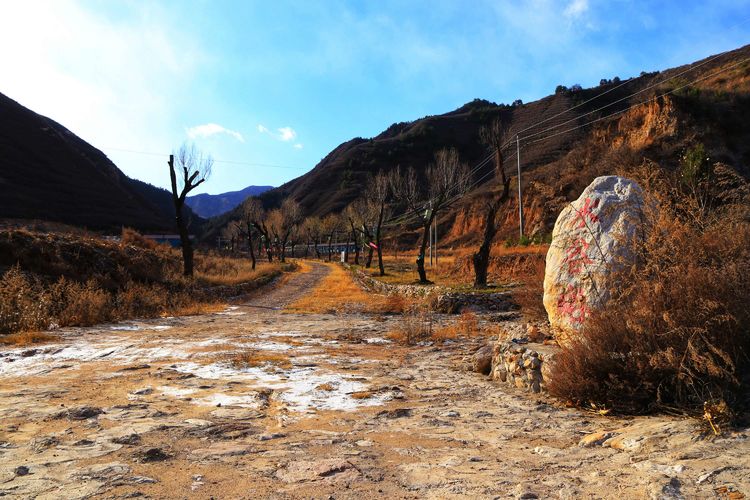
{"points": [[592, 236]]}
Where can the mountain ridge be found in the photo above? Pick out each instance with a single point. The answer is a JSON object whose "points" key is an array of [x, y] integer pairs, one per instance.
{"points": [[49, 173]]}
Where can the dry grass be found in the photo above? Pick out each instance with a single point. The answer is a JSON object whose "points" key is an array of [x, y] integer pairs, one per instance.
{"points": [[26, 338], [676, 334], [326, 387], [335, 293], [74, 280], [415, 325], [251, 359], [362, 394], [530, 292]]}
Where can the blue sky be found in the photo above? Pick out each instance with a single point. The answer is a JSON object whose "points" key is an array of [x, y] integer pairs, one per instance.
{"points": [[284, 82]]}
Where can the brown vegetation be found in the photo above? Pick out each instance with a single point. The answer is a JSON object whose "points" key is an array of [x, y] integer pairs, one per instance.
{"points": [[338, 292], [68, 280], [676, 333], [251, 359]]}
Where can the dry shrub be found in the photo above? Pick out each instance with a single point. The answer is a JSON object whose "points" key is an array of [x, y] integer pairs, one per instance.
{"points": [[677, 331], [394, 304], [22, 304], [415, 325], [134, 238], [73, 303], [26, 338], [138, 299], [251, 359], [468, 323], [529, 294], [362, 394]]}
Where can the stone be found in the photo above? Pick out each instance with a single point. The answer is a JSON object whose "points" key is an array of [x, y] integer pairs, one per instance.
{"points": [[221, 449], [152, 455], [80, 413], [482, 360], [594, 439], [592, 237], [331, 469]]}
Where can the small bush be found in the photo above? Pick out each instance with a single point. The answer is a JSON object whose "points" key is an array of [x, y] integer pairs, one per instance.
{"points": [[22, 304], [415, 326], [73, 303], [133, 237]]}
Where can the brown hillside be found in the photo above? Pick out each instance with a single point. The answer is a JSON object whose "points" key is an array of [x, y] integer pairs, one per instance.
{"points": [[556, 165], [49, 173]]}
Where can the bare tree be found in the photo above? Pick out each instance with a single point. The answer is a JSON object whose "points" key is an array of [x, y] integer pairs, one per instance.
{"points": [[232, 233], [250, 210], [493, 136], [283, 222], [194, 169], [330, 225], [445, 181], [256, 216], [378, 197], [311, 229]]}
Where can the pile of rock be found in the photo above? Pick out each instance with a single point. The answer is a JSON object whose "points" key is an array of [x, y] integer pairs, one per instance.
{"points": [[522, 361], [518, 365]]}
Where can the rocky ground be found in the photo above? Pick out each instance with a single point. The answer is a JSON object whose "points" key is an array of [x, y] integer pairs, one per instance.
{"points": [[155, 409]]}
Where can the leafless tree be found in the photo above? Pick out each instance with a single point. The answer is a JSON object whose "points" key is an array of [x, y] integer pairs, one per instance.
{"points": [[379, 195], [256, 216], [493, 136], [444, 182], [311, 228], [283, 223], [194, 168], [251, 211], [232, 233], [358, 216], [330, 225]]}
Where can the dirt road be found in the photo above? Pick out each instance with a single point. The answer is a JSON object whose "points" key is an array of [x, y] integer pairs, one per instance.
{"points": [[155, 409]]}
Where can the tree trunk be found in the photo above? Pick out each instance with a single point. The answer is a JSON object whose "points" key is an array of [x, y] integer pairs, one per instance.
{"points": [[356, 247], [185, 243], [368, 239], [377, 240], [250, 246], [422, 248]]}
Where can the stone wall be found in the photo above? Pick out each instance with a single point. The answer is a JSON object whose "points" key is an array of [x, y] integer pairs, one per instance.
{"points": [[522, 365], [444, 300]]}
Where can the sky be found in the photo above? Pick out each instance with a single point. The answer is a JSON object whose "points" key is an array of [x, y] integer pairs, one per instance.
{"points": [[269, 88]]}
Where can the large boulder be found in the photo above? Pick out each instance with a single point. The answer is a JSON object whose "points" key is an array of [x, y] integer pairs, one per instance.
{"points": [[592, 237]]}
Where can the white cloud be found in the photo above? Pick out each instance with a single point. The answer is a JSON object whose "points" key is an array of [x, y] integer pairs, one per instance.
{"points": [[287, 134], [210, 129], [284, 134], [576, 8]]}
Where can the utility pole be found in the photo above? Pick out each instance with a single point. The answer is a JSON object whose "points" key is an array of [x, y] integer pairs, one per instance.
{"points": [[520, 202]]}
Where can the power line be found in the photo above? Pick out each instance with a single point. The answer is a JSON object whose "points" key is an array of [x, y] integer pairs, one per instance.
{"points": [[148, 153], [638, 103], [632, 80]]}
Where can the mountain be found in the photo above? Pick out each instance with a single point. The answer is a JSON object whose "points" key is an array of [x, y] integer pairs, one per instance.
{"points": [[567, 139], [211, 205], [49, 173]]}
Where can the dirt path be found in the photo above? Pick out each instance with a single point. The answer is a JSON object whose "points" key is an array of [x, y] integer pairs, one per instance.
{"points": [[156, 409], [289, 290]]}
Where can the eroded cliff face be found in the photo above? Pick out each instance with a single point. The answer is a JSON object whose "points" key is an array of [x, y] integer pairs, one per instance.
{"points": [[548, 190], [642, 126]]}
